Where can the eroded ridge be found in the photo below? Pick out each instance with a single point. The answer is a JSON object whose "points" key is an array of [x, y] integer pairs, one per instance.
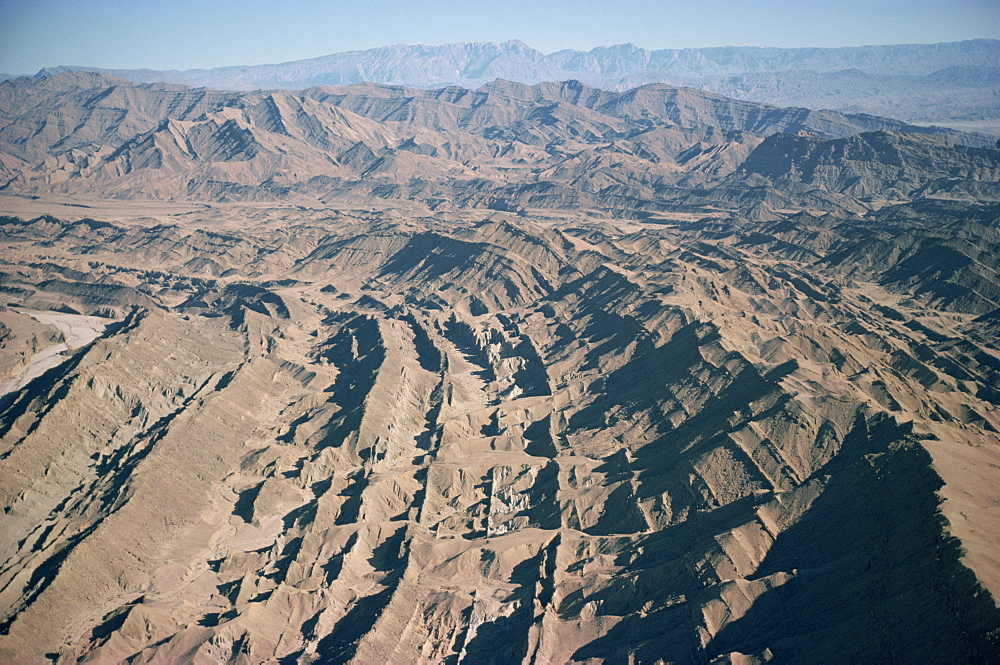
{"points": [[360, 439]]}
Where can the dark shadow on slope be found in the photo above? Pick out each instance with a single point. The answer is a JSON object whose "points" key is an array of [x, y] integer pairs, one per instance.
{"points": [[462, 336], [283, 564], [111, 623], [532, 378], [48, 389], [596, 295], [42, 393], [544, 512], [243, 508], [42, 576], [236, 299], [663, 569], [428, 355], [358, 352], [430, 256], [350, 509], [506, 638], [341, 644], [538, 438], [878, 580]]}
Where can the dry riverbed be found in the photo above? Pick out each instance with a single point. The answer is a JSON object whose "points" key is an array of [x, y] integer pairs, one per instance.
{"points": [[78, 331]]}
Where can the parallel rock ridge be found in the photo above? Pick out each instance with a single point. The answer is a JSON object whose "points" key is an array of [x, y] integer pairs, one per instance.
{"points": [[525, 373], [329, 438]]}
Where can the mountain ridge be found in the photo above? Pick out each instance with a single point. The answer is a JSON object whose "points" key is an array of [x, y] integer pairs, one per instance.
{"points": [[679, 440], [505, 145], [619, 59], [801, 76], [538, 373]]}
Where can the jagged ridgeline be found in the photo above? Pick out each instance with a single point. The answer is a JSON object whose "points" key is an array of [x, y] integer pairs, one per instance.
{"points": [[536, 374], [951, 81], [504, 146], [359, 439]]}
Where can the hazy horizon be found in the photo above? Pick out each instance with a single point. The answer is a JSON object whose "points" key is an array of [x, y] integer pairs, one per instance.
{"points": [[187, 35]]}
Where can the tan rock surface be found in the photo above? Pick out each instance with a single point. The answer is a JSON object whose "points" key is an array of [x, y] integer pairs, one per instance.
{"points": [[318, 436], [517, 374]]}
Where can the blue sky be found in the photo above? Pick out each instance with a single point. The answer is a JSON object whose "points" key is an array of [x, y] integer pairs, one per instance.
{"points": [[182, 34]]}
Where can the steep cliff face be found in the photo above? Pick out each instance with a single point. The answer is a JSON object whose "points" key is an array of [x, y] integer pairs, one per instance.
{"points": [[360, 438]]}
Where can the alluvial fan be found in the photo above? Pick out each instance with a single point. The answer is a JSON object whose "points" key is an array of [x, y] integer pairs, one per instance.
{"points": [[501, 438]]}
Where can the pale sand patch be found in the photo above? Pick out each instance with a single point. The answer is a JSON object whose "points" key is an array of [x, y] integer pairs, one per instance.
{"points": [[78, 329]]}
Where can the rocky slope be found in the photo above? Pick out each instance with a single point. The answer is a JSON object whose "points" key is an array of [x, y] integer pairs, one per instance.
{"points": [[355, 437], [527, 373]]}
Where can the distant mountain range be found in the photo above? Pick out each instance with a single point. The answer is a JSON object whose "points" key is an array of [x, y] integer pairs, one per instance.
{"points": [[919, 82], [505, 146]]}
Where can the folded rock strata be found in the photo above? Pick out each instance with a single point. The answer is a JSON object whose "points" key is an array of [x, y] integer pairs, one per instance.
{"points": [[348, 437]]}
